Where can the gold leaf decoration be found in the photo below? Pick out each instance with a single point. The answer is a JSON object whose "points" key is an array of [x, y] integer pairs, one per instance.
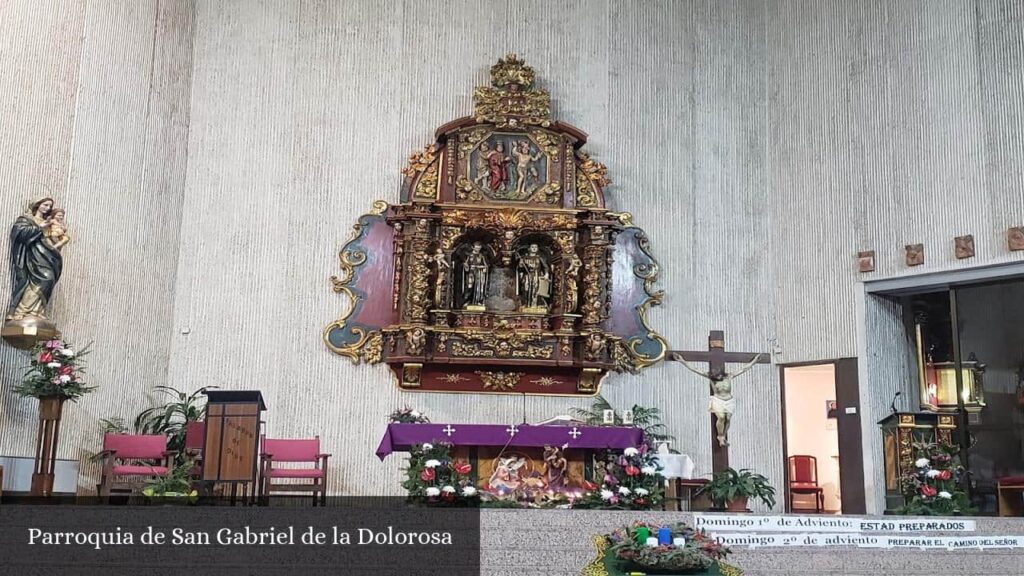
{"points": [[499, 381]]}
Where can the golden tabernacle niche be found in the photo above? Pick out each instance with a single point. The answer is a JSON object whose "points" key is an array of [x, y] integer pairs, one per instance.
{"points": [[502, 270]]}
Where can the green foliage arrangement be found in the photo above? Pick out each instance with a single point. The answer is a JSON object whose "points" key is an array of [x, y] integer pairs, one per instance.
{"points": [[730, 485], [56, 370], [172, 417], [698, 552], [177, 484], [645, 418], [934, 486], [434, 478]]}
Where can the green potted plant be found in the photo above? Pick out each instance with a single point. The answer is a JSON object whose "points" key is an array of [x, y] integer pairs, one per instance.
{"points": [[732, 489], [174, 487]]}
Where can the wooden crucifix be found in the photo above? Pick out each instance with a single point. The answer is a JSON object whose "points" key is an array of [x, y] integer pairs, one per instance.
{"points": [[722, 401]]}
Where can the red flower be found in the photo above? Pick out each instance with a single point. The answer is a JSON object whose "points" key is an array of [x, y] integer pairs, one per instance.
{"points": [[945, 475], [928, 491], [632, 470], [462, 467], [66, 371], [427, 475], [45, 358], [589, 486], [640, 502]]}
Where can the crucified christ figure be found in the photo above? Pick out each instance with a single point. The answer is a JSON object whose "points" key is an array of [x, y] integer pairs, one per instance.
{"points": [[722, 403]]}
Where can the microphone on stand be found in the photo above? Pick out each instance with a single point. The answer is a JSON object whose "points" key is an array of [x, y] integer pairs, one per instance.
{"points": [[893, 406]]}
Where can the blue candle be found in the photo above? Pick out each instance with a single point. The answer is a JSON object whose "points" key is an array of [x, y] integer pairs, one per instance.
{"points": [[664, 536]]}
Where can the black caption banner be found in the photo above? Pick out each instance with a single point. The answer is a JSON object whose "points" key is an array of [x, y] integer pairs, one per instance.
{"points": [[346, 537]]}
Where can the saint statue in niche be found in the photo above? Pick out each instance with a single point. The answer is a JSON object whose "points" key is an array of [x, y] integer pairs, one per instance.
{"points": [[441, 281], [475, 270], [722, 403], [534, 280], [37, 238]]}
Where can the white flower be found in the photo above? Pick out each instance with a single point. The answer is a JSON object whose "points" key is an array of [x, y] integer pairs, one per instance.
{"points": [[53, 365], [945, 495], [432, 463], [414, 414], [642, 491], [630, 452], [649, 470], [933, 473], [432, 491], [428, 446], [921, 462], [68, 352], [447, 489], [624, 491], [65, 378], [607, 494], [468, 491]]}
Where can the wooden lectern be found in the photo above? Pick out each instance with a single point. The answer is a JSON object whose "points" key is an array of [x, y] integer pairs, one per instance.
{"points": [[231, 446]]}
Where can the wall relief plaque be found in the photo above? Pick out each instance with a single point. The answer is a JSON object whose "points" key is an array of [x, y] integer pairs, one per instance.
{"points": [[501, 269]]}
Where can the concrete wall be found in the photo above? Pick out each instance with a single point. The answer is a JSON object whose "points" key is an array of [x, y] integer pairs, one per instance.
{"points": [[761, 144], [94, 103]]}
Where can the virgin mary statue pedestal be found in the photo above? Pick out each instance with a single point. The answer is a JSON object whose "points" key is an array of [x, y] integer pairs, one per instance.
{"points": [[36, 262]]}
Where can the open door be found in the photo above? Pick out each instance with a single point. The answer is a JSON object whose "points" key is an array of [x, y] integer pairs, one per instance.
{"points": [[822, 444]]}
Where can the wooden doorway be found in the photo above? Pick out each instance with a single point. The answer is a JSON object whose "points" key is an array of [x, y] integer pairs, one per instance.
{"points": [[821, 419]]}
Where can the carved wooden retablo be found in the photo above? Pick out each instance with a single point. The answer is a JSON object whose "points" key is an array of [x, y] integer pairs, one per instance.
{"points": [[502, 270]]}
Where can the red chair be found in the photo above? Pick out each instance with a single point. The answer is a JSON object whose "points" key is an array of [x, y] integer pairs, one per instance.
{"points": [[295, 479], [803, 479], [129, 460], [195, 443]]}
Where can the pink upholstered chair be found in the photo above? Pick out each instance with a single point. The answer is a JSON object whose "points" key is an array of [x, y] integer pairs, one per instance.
{"points": [[195, 440], [129, 460], [803, 479], [292, 478]]}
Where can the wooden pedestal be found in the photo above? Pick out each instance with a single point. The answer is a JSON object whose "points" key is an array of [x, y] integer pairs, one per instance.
{"points": [[231, 446], [50, 411]]}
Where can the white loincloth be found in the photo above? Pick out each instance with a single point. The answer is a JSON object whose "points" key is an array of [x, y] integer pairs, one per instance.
{"points": [[719, 406]]}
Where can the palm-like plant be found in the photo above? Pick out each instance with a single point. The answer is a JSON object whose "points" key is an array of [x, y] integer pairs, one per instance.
{"points": [[648, 419], [172, 417]]}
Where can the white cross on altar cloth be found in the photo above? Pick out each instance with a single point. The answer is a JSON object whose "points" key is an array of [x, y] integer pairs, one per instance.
{"points": [[575, 433], [512, 430], [448, 430]]}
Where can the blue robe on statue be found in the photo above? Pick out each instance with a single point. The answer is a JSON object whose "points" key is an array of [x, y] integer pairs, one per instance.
{"points": [[34, 262]]}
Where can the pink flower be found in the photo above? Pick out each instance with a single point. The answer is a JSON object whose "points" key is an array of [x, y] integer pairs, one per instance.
{"points": [[928, 491], [462, 467], [427, 474], [632, 471], [54, 344], [66, 371], [45, 358]]}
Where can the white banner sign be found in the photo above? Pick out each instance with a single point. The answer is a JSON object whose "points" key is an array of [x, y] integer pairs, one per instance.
{"points": [[747, 522], [869, 541]]}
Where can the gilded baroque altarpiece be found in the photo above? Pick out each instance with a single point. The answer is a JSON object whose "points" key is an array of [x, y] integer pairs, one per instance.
{"points": [[501, 270]]}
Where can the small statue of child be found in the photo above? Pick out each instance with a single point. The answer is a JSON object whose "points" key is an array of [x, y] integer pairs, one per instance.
{"points": [[56, 231]]}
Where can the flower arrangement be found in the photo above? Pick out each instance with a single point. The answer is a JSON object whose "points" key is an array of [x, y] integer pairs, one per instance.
{"points": [[932, 486], [434, 478], [56, 370], [177, 485], [408, 416], [677, 548], [632, 481]]}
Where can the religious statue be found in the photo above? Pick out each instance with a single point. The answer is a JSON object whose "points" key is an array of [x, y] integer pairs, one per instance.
{"points": [[722, 403], [475, 270], [507, 475], [534, 284], [37, 238], [524, 166], [483, 168], [571, 287], [555, 468], [442, 266], [497, 164]]}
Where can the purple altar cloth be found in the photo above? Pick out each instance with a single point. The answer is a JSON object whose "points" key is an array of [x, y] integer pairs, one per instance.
{"points": [[400, 437]]}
